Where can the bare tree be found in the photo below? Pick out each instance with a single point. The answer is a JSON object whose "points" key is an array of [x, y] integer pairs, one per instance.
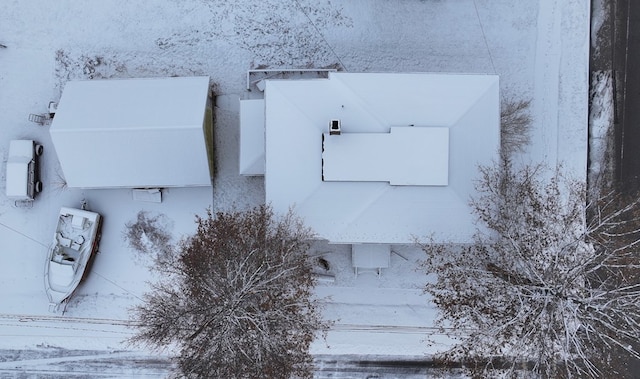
{"points": [[543, 291], [238, 303], [515, 126]]}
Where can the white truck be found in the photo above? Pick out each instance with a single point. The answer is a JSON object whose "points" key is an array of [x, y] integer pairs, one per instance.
{"points": [[23, 171]]}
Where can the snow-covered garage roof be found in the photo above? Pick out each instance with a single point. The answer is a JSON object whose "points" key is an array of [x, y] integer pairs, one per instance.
{"points": [[297, 114], [133, 133]]}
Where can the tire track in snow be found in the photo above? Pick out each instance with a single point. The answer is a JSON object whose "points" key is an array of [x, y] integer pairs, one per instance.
{"points": [[72, 358], [84, 364], [52, 329], [397, 329], [63, 319], [547, 81]]}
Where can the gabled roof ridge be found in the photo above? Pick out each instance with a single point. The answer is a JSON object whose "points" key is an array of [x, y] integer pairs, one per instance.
{"points": [[354, 216], [366, 205], [283, 95], [480, 96], [368, 108]]}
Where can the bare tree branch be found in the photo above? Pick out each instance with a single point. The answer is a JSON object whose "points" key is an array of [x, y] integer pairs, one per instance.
{"points": [[238, 302], [515, 126], [550, 287]]}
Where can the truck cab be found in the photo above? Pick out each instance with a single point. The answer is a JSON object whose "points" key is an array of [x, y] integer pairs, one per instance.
{"points": [[22, 170]]}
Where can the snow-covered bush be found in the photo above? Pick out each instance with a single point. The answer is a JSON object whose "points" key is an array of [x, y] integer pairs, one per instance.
{"points": [[150, 234]]}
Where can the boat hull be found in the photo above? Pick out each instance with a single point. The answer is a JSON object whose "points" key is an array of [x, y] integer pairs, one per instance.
{"points": [[75, 243]]}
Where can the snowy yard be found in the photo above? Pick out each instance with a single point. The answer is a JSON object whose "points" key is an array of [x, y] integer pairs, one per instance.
{"points": [[538, 48]]}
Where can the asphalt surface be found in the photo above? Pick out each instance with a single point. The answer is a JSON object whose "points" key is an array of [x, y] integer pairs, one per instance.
{"points": [[619, 43], [57, 363], [47, 361], [618, 49]]}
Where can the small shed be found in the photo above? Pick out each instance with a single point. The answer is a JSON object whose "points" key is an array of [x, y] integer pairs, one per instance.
{"points": [[135, 133]]}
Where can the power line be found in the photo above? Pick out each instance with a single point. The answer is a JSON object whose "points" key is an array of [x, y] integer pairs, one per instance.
{"points": [[24, 235], [93, 271], [484, 37], [320, 34]]}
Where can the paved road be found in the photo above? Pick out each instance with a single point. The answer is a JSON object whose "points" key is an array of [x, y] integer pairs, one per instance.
{"points": [[52, 362], [619, 50], [56, 363], [625, 61]]}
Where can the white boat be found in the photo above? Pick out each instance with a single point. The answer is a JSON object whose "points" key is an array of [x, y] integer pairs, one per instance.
{"points": [[74, 244]]}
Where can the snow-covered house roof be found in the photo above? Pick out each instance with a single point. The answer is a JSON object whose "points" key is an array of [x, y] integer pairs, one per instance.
{"points": [[134, 133], [452, 123]]}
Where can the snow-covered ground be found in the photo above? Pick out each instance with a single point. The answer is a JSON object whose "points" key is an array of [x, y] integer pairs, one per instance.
{"points": [[539, 49]]}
